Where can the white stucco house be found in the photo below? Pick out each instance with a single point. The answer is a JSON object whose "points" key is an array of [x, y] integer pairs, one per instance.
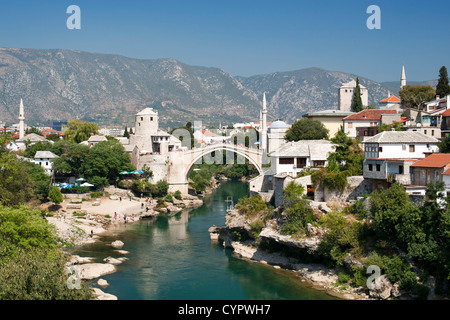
{"points": [[293, 157], [44, 159], [389, 155]]}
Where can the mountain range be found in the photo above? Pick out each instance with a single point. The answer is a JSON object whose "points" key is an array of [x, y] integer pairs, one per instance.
{"points": [[111, 89]]}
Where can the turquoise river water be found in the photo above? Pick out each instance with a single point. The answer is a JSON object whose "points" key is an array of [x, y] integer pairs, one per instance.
{"points": [[173, 258]]}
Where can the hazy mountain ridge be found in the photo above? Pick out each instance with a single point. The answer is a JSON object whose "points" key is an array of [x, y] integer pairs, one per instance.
{"points": [[68, 84], [291, 94]]}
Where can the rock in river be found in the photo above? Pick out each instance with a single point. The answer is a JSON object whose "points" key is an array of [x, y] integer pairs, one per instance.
{"points": [[117, 244]]}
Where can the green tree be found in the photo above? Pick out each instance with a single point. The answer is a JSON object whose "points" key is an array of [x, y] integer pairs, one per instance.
{"points": [[16, 186], [40, 179], [105, 160], [444, 145], [443, 87], [33, 130], [163, 188], [297, 213], [357, 104], [55, 195], [306, 129], [32, 266], [30, 152], [72, 158], [395, 217], [348, 154], [125, 133], [388, 127], [79, 131], [414, 96]]}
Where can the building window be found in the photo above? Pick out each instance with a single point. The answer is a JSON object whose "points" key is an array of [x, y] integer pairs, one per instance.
{"points": [[286, 161], [318, 163], [151, 118], [350, 124], [412, 148], [142, 118], [432, 133], [301, 162], [380, 149], [370, 167], [378, 167], [400, 169], [424, 131]]}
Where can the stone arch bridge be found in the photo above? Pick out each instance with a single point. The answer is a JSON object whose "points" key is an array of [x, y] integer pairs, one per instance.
{"points": [[181, 162]]}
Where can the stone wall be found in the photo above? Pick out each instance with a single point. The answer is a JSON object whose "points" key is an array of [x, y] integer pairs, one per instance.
{"points": [[357, 187], [281, 182]]}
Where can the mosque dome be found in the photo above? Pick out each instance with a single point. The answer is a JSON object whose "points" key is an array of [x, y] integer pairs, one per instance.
{"points": [[279, 125]]}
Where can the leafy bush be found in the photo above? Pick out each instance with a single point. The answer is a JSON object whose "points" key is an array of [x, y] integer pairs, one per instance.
{"points": [[177, 195], [331, 180], [297, 217], [256, 227], [251, 206], [55, 195], [96, 194], [343, 277], [32, 266], [169, 198], [359, 210]]}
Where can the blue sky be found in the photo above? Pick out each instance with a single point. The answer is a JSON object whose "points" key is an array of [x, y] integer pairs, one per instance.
{"points": [[245, 37]]}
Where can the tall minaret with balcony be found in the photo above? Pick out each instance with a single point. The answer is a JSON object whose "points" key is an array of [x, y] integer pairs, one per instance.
{"points": [[21, 121], [264, 125], [403, 78]]}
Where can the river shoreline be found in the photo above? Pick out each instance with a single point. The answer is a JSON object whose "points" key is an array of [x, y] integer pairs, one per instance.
{"points": [[316, 277]]}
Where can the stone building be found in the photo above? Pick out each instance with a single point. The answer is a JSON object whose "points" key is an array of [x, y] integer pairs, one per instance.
{"points": [[345, 95], [151, 146]]}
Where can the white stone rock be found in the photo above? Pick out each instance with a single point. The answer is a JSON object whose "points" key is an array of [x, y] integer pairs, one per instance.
{"points": [[117, 244], [102, 283], [100, 295], [91, 271], [122, 251], [114, 261]]}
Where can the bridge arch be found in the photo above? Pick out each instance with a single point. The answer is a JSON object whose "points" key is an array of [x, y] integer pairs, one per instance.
{"points": [[256, 160]]}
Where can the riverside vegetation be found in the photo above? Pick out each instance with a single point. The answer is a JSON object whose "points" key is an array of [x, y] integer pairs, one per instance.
{"points": [[409, 243], [32, 262]]}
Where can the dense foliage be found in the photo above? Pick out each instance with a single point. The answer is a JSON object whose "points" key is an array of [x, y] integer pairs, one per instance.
{"points": [[306, 129], [357, 104], [413, 96], [443, 87], [297, 211], [31, 264]]}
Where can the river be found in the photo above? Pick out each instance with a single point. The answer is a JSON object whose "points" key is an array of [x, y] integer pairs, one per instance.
{"points": [[173, 258]]}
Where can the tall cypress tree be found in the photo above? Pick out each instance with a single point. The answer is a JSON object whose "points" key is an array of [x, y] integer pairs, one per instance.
{"points": [[443, 88], [357, 104]]}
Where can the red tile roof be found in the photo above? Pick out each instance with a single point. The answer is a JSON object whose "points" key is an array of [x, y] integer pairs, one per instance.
{"points": [[391, 99], [446, 113], [370, 114], [434, 160], [209, 133]]}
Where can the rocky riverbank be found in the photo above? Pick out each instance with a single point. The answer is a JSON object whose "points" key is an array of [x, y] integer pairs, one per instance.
{"points": [[80, 221], [316, 274]]}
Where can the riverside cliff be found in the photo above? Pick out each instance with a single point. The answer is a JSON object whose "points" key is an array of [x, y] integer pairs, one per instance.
{"points": [[263, 240]]}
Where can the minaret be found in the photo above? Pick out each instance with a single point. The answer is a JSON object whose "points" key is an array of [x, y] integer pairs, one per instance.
{"points": [[403, 78], [264, 125], [21, 121]]}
